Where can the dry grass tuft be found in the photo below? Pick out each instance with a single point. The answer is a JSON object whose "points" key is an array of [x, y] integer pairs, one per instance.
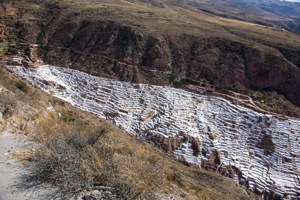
{"points": [[7, 103]]}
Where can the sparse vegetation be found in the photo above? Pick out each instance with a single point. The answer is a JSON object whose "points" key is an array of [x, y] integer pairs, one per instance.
{"points": [[67, 160], [79, 160], [7, 103], [274, 102], [67, 116]]}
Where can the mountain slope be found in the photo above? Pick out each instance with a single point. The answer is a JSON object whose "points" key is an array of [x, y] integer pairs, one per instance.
{"points": [[171, 44], [274, 13]]}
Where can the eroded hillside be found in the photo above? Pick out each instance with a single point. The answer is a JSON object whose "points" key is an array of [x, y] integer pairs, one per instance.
{"points": [[172, 44]]}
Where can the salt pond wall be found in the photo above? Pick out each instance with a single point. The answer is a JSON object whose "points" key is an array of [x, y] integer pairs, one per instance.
{"points": [[258, 150]]}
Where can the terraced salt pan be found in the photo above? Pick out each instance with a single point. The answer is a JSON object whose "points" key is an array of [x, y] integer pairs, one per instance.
{"points": [[146, 110]]}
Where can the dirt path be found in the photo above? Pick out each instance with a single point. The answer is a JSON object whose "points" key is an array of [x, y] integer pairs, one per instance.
{"points": [[11, 170]]}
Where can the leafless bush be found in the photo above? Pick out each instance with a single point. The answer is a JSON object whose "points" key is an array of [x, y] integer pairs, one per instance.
{"points": [[7, 103], [67, 160], [77, 161]]}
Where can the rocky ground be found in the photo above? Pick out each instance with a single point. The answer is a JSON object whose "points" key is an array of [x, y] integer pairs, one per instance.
{"points": [[258, 150]]}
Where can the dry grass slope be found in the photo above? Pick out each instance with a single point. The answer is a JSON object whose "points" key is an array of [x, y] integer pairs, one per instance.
{"points": [[179, 18]]}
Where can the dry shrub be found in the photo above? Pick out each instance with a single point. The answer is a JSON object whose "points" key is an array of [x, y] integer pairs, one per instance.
{"points": [[83, 160], [67, 161], [50, 124], [133, 177], [22, 86], [7, 103], [139, 179]]}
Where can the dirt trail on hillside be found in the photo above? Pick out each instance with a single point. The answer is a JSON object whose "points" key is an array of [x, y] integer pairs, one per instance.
{"points": [[12, 170]]}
